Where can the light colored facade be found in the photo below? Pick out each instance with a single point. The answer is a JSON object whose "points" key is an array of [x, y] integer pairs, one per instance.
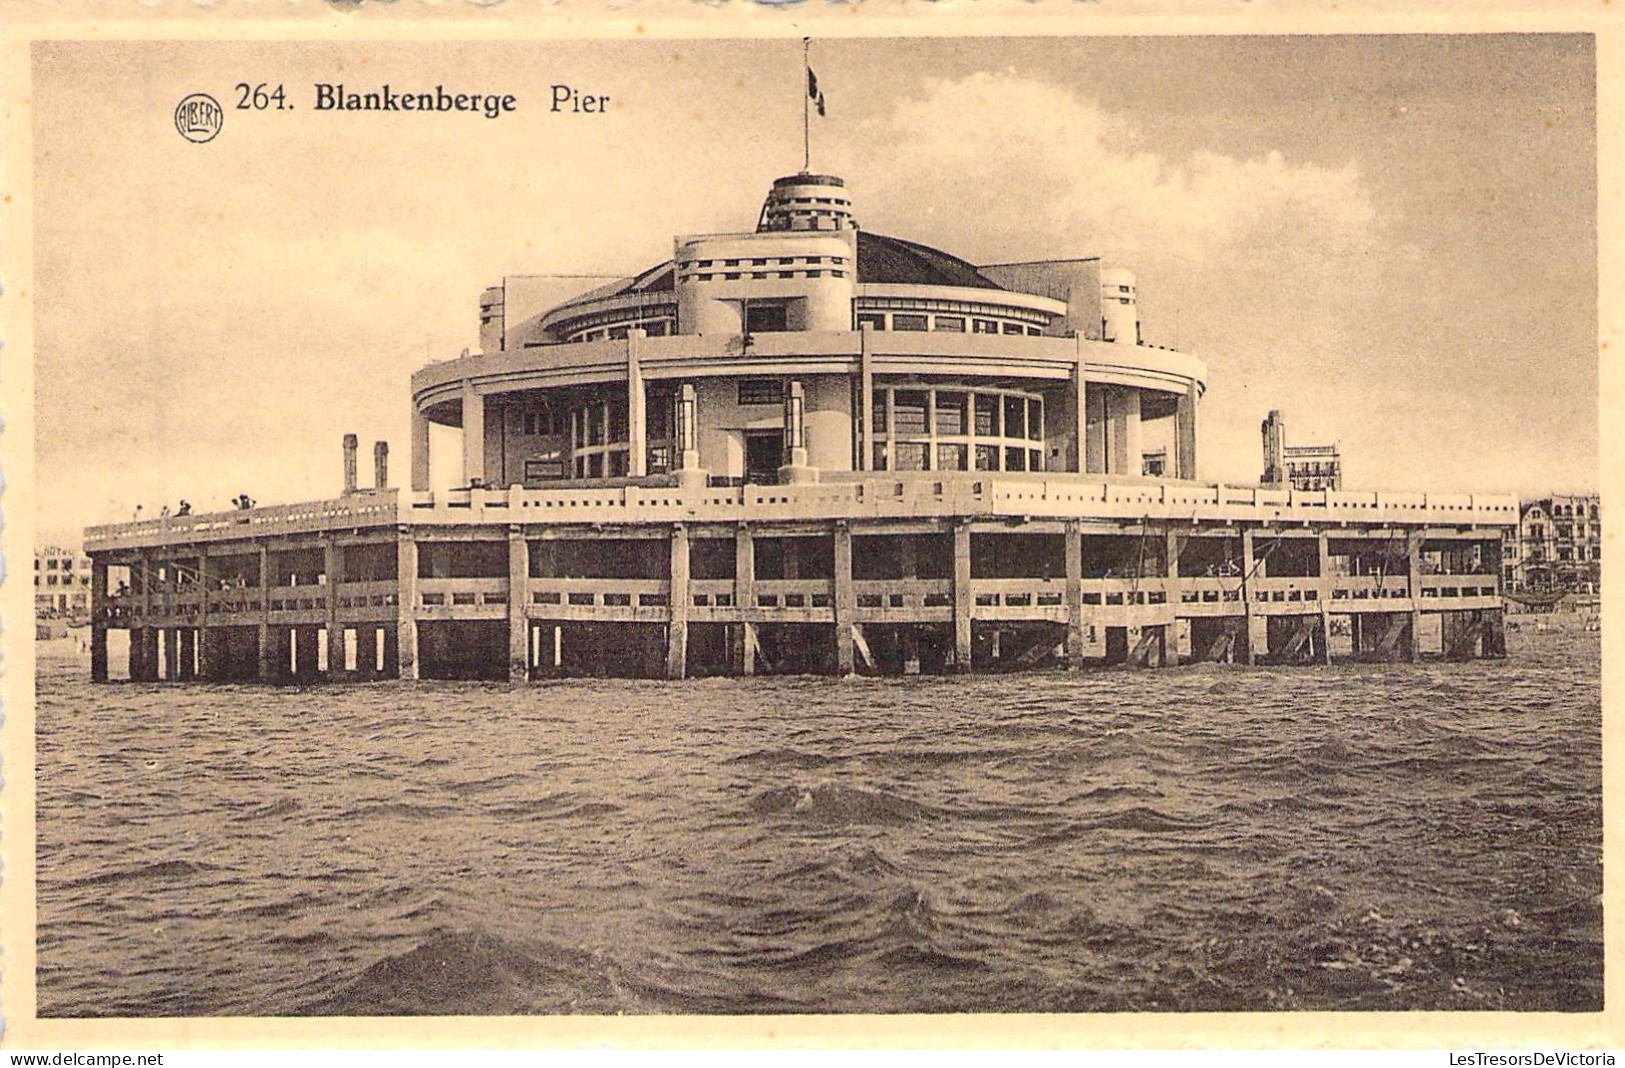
{"points": [[1300, 467], [802, 448], [61, 583], [902, 357], [1559, 546]]}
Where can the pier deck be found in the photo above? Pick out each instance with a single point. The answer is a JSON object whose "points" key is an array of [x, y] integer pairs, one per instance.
{"points": [[861, 572]]}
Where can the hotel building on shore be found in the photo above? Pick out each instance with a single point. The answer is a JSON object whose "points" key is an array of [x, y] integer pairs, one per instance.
{"points": [[1558, 547], [61, 583], [804, 447]]}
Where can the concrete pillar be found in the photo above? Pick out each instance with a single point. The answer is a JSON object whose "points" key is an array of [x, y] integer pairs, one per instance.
{"points": [[845, 600], [1413, 545], [307, 642], [333, 564], [963, 598], [678, 600], [1255, 624], [745, 595], [172, 666], [687, 432], [1074, 597], [1185, 433], [866, 402], [420, 450], [795, 468], [187, 668], [1323, 594], [473, 435], [98, 620], [1077, 413], [637, 436], [406, 617], [267, 659], [518, 604], [1125, 449], [135, 663]]}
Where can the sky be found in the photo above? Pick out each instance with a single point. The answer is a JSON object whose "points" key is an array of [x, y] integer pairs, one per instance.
{"points": [[1391, 239]]}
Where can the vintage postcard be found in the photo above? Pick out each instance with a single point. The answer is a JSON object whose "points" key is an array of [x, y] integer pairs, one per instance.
{"points": [[809, 526]]}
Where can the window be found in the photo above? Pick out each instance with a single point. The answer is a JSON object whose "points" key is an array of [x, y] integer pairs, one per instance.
{"points": [[984, 326], [753, 391], [908, 412], [951, 415], [950, 324], [1035, 419], [1012, 328], [1015, 459], [872, 320], [880, 456], [987, 419], [880, 413], [950, 457], [765, 319], [900, 321], [987, 457], [910, 456], [659, 459], [1015, 420], [540, 423]]}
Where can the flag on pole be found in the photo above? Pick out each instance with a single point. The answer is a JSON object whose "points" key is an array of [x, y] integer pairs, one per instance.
{"points": [[813, 93]]}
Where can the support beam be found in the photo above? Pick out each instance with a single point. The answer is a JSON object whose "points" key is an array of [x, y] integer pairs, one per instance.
{"points": [[420, 450], [745, 595], [1077, 412], [98, 621], [637, 456], [1249, 612], [1185, 433], [1323, 595], [518, 604], [333, 565], [186, 669], [1125, 454], [866, 401], [1413, 544], [845, 601], [678, 601], [267, 652], [406, 617], [1074, 596], [473, 435], [963, 598]]}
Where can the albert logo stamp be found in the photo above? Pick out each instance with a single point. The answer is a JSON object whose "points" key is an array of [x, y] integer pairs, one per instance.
{"points": [[199, 117]]}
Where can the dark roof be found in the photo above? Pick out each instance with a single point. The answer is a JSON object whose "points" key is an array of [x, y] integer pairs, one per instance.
{"points": [[887, 260], [891, 260]]}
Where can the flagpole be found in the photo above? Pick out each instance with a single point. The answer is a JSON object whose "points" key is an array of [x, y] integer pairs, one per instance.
{"points": [[806, 106]]}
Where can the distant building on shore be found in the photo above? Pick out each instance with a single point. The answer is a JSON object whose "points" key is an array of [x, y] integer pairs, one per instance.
{"points": [[1559, 546], [61, 583], [1299, 467]]}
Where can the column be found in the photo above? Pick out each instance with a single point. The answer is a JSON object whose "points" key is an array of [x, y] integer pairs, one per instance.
{"points": [[1125, 451], [333, 564], [186, 668], [98, 620], [865, 413], [1323, 593], [420, 449], [962, 598], [637, 439], [518, 604], [1173, 545], [473, 435], [1185, 433], [1074, 597], [1078, 399], [205, 585], [745, 595], [1257, 626], [678, 601], [845, 602], [138, 664], [268, 663], [406, 618], [689, 473], [1413, 544]]}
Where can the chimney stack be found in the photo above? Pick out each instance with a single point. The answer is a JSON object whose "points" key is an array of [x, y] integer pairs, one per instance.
{"points": [[351, 443], [380, 464]]}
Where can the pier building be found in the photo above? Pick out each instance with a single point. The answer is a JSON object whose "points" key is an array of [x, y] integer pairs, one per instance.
{"points": [[803, 447]]}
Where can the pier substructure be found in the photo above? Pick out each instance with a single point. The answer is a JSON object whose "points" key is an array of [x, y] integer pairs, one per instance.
{"points": [[886, 576]]}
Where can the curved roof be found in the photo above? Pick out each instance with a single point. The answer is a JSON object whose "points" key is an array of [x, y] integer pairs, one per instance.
{"points": [[891, 260], [882, 260]]}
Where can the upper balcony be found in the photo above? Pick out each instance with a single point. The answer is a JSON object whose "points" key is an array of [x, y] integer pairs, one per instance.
{"points": [[805, 353]]}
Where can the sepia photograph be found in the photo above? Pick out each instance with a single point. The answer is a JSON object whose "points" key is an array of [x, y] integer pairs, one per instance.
{"points": [[816, 525]]}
